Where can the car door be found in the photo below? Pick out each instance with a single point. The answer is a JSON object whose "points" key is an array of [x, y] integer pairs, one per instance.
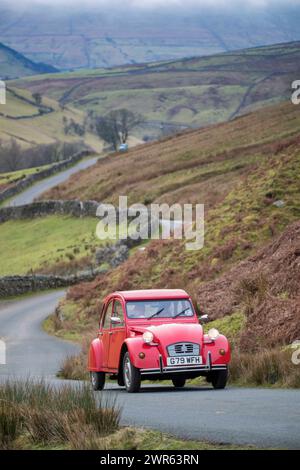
{"points": [[106, 332], [117, 335]]}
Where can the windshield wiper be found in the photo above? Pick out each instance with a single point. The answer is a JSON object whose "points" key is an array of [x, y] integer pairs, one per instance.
{"points": [[156, 313], [182, 312]]}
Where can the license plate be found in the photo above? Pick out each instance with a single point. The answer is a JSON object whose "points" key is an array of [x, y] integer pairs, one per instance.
{"points": [[184, 361]]}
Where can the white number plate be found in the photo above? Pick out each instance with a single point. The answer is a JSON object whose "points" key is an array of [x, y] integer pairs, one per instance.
{"points": [[184, 361]]}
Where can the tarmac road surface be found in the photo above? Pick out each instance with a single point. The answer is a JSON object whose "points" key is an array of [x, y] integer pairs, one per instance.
{"points": [[34, 191]]}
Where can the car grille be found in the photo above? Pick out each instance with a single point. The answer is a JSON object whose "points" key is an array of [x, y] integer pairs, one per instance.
{"points": [[184, 349]]}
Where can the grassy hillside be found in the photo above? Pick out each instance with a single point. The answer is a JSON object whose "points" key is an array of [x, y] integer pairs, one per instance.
{"points": [[13, 64], [190, 92], [241, 220]]}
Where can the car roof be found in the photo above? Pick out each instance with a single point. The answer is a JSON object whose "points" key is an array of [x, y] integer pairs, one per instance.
{"points": [[148, 294]]}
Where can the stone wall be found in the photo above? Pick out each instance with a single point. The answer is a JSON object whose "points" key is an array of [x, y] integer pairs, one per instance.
{"points": [[31, 179], [17, 285], [73, 207], [43, 208]]}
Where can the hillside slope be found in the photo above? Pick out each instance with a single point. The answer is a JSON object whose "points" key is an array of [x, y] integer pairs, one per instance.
{"points": [[266, 286], [195, 166], [186, 93], [14, 65], [242, 220]]}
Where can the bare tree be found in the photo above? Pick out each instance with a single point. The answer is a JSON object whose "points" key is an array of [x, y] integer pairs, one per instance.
{"points": [[37, 98], [107, 130], [12, 158], [126, 121], [116, 126]]}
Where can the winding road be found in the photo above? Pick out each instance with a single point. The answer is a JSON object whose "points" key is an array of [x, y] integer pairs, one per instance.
{"points": [[34, 191], [261, 417], [30, 352]]}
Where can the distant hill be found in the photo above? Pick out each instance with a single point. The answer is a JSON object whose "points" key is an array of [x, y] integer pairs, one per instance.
{"points": [[190, 92], [109, 34], [15, 65]]}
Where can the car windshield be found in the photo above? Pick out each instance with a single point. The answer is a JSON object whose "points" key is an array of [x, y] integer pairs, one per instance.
{"points": [[159, 308]]}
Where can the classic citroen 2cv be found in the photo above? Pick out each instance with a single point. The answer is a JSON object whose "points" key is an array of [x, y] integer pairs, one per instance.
{"points": [[155, 335]]}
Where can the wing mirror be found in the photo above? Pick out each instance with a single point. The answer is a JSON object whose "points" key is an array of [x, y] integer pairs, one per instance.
{"points": [[204, 318], [115, 320]]}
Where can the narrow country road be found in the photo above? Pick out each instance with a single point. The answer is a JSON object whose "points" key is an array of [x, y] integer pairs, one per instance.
{"points": [[34, 191], [29, 350], [261, 417]]}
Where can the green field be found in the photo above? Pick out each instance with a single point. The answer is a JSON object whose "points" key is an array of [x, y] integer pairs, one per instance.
{"points": [[44, 242], [50, 244]]}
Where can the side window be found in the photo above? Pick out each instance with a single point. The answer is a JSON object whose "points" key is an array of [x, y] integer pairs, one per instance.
{"points": [[108, 315], [118, 312]]}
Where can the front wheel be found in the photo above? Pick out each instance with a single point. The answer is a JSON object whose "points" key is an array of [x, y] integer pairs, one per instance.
{"points": [[219, 379], [132, 375], [178, 382], [98, 380]]}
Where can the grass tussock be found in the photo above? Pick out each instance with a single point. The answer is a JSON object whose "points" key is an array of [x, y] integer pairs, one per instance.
{"points": [[44, 415], [74, 367], [10, 421], [272, 368]]}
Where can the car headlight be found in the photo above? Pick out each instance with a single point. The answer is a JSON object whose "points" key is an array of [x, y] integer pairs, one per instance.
{"points": [[148, 337], [213, 333]]}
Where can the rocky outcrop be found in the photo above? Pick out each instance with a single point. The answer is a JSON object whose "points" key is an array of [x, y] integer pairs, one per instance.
{"points": [[31, 179]]}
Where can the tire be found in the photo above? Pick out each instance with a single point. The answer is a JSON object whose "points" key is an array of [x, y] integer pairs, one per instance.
{"points": [[132, 375], [178, 382], [98, 380], [219, 379]]}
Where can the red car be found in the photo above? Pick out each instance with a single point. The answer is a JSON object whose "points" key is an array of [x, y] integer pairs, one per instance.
{"points": [[155, 335]]}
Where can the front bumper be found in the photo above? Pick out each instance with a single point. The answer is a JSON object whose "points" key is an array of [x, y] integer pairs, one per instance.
{"points": [[208, 367], [175, 370]]}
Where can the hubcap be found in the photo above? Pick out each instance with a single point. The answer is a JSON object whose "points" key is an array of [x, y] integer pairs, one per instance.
{"points": [[93, 379], [127, 372]]}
